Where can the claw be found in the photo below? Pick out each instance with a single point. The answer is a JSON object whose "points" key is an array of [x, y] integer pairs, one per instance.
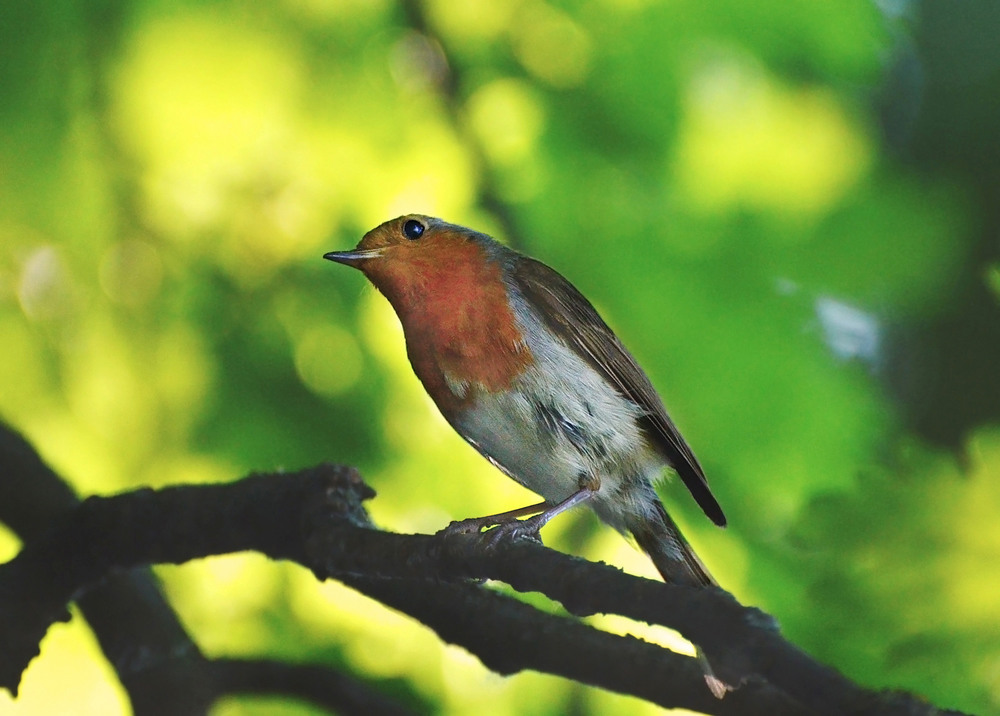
{"points": [[507, 526], [472, 525], [514, 530]]}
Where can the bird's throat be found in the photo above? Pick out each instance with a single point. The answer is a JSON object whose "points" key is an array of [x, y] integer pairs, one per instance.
{"points": [[462, 336]]}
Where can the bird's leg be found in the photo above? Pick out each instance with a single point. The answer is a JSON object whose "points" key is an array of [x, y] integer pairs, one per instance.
{"points": [[478, 524], [530, 527]]}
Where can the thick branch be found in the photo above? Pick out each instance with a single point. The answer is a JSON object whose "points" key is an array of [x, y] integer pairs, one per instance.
{"points": [[315, 517], [509, 636], [161, 668], [742, 644]]}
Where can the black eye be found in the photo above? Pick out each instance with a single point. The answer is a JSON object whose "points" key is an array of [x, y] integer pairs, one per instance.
{"points": [[413, 229]]}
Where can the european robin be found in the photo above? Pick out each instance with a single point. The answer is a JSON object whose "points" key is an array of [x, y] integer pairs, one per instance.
{"points": [[523, 367]]}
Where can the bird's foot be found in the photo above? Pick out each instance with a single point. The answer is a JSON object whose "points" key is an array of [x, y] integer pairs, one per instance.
{"points": [[507, 526], [495, 531], [475, 525], [470, 526], [516, 529]]}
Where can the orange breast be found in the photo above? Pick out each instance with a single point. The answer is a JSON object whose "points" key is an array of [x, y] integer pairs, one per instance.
{"points": [[461, 335]]}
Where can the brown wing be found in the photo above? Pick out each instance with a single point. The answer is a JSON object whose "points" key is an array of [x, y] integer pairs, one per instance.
{"points": [[574, 319]]}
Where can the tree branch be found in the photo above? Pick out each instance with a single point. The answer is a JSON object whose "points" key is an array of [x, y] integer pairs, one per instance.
{"points": [[161, 668], [315, 517]]}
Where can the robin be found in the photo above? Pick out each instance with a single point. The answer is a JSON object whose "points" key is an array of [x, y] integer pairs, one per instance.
{"points": [[526, 371]]}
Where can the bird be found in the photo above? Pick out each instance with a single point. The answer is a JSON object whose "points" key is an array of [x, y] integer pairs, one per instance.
{"points": [[524, 368]]}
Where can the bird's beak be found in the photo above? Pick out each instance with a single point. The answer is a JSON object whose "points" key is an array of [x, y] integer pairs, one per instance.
{"points": [[353, 257]]}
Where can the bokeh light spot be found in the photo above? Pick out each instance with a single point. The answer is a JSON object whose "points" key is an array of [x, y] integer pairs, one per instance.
{"points": [[993, 280], [551, 46], [417, 62], [748, 141], [131, 272], [45, 291], [473, 21], [328, 359], [507, 116]]}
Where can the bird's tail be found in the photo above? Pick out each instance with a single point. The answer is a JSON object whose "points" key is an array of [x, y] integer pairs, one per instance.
{"points": [[677, 563], [659, 537]]}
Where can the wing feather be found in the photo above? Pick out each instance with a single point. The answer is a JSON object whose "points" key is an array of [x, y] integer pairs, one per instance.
{"points": [[571, 316]]}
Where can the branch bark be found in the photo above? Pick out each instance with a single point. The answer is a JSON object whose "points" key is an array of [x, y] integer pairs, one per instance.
{"points": [[161, 668], [315, 517]]}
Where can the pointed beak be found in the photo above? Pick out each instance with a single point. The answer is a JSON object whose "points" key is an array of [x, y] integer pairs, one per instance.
{"points": [[354, 257]]}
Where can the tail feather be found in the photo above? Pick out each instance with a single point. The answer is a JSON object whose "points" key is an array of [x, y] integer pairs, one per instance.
{"points": [[673, 557], [678, 564]]}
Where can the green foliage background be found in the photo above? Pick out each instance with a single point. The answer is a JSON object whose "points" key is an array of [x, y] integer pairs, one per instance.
{"points": [[787, 210]]}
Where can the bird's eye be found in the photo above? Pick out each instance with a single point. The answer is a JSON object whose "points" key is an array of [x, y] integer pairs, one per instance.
{"points": [[413, 229]]}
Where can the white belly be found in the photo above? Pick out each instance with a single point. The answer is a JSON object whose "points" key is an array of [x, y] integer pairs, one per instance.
{"points": [[560, 423]]}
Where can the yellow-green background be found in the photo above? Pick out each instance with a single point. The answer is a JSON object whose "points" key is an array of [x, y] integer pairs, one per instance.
{"points": [[716, 176]]}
